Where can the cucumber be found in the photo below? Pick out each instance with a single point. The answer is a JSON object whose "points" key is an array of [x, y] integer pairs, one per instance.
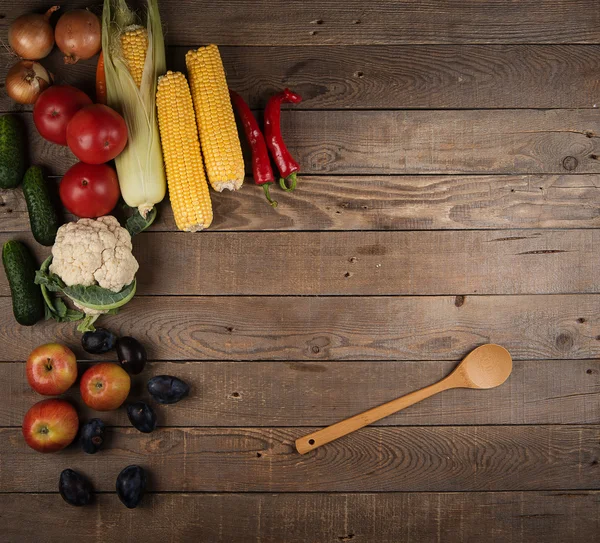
{"points": [[19, 265], [42, 215], [12, 152]]}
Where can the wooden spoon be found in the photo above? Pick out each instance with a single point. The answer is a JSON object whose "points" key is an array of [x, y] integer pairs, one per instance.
{"points": [[487, 366]]}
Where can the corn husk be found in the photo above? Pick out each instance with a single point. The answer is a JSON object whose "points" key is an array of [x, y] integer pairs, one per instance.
{"points": [[140, 166]]}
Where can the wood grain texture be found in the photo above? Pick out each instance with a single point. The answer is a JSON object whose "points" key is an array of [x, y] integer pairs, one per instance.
{"points": [[375, 459], [322, 22], [390, 77], [486, 141], [387, 203], [319, 393], [364, 263], [361, 263], [404, 77], [419, 142], [496, 517], [336, 328]]}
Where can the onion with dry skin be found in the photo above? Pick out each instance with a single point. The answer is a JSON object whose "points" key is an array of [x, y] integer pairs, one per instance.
{"points": [[78, 35], [26, 80], [31, 36]]}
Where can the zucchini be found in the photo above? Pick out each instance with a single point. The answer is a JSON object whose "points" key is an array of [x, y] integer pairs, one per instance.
{"points": [[12, 152], [20, 267], [42, 215]]}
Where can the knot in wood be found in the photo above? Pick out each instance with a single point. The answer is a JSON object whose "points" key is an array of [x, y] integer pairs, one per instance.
{"points": [[564, 342], [321, 160], [570, 163]]}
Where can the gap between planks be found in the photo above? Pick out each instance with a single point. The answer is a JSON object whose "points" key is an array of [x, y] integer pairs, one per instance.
{"points": [[561, 492]]}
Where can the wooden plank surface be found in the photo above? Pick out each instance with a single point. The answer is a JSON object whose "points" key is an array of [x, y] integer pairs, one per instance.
{"points": [[375, 459], [475, 117], [496, 517], [387, 203], [390, 77], [418, 142], [362, 263], [371, 263], [323, 22], [319, 393], [336, 328]]}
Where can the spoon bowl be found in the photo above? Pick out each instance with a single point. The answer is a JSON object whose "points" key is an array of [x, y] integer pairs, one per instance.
{"points": [[485, 367]]}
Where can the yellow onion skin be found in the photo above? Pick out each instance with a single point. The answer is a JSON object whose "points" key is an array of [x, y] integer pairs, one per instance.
{"points": [[31, 36], [78, 35], [26, 80]]}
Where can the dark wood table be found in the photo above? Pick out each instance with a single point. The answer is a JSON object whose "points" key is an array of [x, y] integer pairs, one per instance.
{"points": [[449, 197]]}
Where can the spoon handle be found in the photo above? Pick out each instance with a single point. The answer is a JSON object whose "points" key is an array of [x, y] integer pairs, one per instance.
{"points": [[310, 442]]}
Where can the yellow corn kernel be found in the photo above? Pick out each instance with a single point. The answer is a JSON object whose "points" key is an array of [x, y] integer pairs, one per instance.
{"points": [[214, 115], [188, 189], [134, 44]]}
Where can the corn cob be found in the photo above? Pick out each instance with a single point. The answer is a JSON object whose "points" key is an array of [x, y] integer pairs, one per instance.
{"points": [[188, 189], [140, 166], [134, 44], [214, 115]]}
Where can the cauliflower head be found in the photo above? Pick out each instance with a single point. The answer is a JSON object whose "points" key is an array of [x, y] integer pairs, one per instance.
{"points": [[94, 251]]}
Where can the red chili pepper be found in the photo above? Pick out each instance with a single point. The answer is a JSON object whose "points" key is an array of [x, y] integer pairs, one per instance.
{"points": [[287, 166], [100, 80], [261, 164]]}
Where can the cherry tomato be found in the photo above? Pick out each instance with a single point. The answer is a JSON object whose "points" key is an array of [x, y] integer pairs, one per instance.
{"points": [[96, 134], [54, 108], [89, 190]]}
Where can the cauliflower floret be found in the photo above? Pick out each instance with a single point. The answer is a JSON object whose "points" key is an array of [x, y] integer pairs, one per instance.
{"points": [[94, 251]]}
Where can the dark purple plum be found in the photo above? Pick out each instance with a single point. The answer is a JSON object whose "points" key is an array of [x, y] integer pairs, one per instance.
{"points": [[132, 355], [91, 438], [142, 416], [167, 389], [75, 488], [98, 342], [131, 484]]}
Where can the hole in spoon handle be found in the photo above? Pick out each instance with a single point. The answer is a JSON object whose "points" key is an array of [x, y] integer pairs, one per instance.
{"points": [[306, 444]]}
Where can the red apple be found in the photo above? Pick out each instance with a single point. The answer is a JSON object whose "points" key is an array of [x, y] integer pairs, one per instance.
{"points": [[105, 386], [51, 369], [50, 425]]}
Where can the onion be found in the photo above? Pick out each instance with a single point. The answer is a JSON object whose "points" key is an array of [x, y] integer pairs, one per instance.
{"points": [[26, 80], [78, 35], [31, 35]]}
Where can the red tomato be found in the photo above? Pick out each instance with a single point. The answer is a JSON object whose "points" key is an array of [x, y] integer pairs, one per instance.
{"points": [[89, 190], [96, 134], [54, 108]]}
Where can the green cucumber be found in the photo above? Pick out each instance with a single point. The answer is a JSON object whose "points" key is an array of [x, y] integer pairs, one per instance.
{"points": [[12, 152], [20, 267], [42, 215]]}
